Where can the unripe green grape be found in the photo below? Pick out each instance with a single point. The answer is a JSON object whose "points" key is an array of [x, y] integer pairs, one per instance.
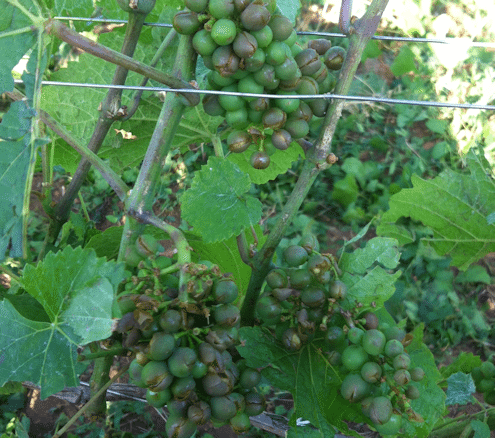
{"points": [[309, 241], [374, 342], [295, 255], [417, 374], [297, 128], [304, 112], [223, 32], [268, 308], [380, 410], [402, 361], [489, 397], [393, 348], [355, 335], [182, 388], [274, 118], [229, 102], [485, 385], [291, 39], [391, 427], [216, 81], [371, 372], [412, 392], [170, 321], [196, 5], [354, 388], [221, 8], [146, 245], [226, 315], [249, 85], [354, 357], [335, 337], [488, 370], [158, 399], [276, 53], [300, 279], [255, 116], [366, 405], [277, 278], [318, 107], [287, 105], [240, 423], [313, 297], [255, 62], [199, 370], [394, 332], [203, 43], [225, 61], [156, 376], [263, 36], [240, 5], [182, 361], [211, 105]]}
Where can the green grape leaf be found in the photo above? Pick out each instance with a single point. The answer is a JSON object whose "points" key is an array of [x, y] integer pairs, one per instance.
{"points": [[403, 62], [13, 46], [431, 403], [455, 206], [474, 274], [481, 430], [226, 255], [74, 8], [306, 374], [76, 291], [40, 352], [217, 205], [364, 274], [73, 284], [290, 8], [106, 244], [460, 389], [196, 127], [345, 191], [280, 162], [464, 362]]}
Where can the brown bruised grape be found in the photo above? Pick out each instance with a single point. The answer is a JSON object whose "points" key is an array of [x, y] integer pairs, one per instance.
{"points": [[281, 139], [402, 361], [222, 408], [255, 403], [338, 290], [300, 278], [179, 427], [245, 45], [308, 62], [161, 346], [291, 340], [380, 410], [371, 372], [212, 106], [249, 378], [393, 348], [186, 22], [354, 388], [313, 297], [199, 413], [170, 321], [216, 385], [277, 278], [371, 321], [182, 388], [320, 45], [225, 291], [226, 315], [281, 294], [238, 141], [417, 374], [268, 308], [402, 377], [334, 58], [225, 61], [255, 17], [260, 160], [412, 392], [156, 376]]}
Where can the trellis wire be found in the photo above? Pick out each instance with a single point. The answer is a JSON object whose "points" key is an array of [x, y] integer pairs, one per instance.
{"points": [[276, 96], [325, 34]]}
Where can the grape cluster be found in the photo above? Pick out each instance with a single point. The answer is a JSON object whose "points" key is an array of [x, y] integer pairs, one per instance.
{"points": [[378, 371], [300, 298], [251, 48], [184, 353], [484, 379], [303, 301]]}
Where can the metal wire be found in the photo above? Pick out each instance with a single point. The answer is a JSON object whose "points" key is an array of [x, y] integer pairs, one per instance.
{"points": [[277, 96], [455, 41]]}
